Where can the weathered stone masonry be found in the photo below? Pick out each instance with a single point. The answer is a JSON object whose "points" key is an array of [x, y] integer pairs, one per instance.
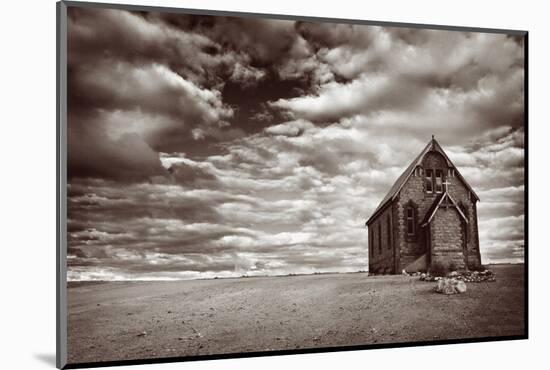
{"points": [[428, 217]]}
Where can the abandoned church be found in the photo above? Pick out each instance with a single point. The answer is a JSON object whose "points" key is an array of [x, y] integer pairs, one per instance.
{"points": [[428, 219]]}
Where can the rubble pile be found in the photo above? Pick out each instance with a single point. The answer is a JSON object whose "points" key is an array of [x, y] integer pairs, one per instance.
{"points": [[465, 276], [479, 276], [450, 286]]}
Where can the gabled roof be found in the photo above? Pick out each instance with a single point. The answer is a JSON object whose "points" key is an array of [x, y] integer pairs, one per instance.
{"points": [[435, 206], [433, 145]]}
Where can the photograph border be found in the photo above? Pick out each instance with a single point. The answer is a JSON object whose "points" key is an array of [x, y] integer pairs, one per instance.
{"points": [[61, 183]]}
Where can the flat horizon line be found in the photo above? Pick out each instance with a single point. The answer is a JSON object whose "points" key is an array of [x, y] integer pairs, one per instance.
{"points": [[254, 276]]}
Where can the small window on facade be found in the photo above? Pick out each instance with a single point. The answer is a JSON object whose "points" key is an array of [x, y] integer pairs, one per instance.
{"points": [[429, 181], [438, 181], [380, 237], [410, 220]]}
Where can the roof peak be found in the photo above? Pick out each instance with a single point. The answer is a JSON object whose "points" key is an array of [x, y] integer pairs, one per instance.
{"points": [[433, 145]]}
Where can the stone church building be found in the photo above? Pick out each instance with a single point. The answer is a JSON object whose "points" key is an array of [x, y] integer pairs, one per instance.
{"points": [[428, 218]]}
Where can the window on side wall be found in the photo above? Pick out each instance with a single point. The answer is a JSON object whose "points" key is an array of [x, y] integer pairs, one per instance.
{"points": [[410, 221], [380, 236], [389, 232]]}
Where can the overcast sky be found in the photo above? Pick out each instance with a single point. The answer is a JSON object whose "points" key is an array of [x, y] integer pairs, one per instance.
{"points": [[206, 146]]}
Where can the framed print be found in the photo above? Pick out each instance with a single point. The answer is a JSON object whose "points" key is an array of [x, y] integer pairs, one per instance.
{"points": [[235, 184]]}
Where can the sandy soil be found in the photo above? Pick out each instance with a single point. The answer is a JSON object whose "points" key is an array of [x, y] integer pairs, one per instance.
{"points": [[134, 320]]}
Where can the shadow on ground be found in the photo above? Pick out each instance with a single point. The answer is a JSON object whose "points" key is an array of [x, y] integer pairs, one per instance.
{"points": [[46, 358]]}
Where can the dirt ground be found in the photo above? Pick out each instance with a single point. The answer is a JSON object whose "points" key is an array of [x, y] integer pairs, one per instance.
{"points": [[135, 320]]}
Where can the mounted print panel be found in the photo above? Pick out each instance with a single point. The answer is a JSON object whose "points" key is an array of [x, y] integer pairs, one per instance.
{"points": [[239, 184]]}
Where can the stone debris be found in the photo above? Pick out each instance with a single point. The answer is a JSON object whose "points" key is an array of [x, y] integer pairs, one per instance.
{"points": [[461, 286], [479, 276], [450, 286], [142, 334], [197, 333], [465, 276]]}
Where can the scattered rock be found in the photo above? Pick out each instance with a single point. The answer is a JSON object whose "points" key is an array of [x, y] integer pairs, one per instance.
{"points": [[465, 276], [427, 277], [450, 286], [461, 286], [197, 333], [142, 334]]}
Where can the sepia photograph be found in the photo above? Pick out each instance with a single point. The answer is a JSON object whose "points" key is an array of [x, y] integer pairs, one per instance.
{"points": [[241, 184]]}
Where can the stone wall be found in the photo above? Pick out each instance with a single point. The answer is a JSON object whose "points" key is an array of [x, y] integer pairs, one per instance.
{"points": [[447, 238], [381, 253], [410, 248]]}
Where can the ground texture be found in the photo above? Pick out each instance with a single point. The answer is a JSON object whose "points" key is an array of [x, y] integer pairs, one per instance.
{"points": [[136, 320]]}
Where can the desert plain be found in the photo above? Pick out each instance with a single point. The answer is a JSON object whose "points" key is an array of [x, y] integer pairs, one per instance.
{"points": [[109, 321]]}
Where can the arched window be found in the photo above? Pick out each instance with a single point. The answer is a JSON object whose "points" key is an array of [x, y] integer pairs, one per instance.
{"points": [[429, 181], [411, 223], [380, 237], [389, 231]]}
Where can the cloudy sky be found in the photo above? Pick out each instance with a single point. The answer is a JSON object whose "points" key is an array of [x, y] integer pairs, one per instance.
{"points": [[203, 146]]}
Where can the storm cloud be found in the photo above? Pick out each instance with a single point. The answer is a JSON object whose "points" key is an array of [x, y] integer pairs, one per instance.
{"points": [[203, 146]]}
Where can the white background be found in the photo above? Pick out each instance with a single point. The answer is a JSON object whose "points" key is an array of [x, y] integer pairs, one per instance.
{"points": [[27, 186]]}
